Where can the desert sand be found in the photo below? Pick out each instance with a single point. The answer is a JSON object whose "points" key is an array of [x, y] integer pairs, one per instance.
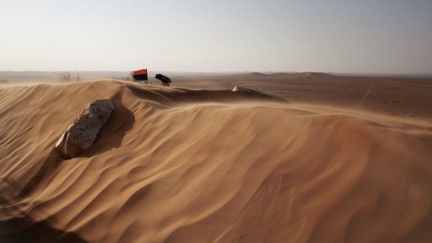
{"points": [[339, 161]]}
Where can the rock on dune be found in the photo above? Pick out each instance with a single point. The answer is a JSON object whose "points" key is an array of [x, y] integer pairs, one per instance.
{"points": [[256, 93], [83, 133]]}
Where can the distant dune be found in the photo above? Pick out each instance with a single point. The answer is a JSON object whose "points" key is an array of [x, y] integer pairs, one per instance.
{"points": [[184, 165], [278, 74], [294, 74]]}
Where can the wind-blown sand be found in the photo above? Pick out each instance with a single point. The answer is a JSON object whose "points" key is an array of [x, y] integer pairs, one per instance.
{"points": [[177, 165]]}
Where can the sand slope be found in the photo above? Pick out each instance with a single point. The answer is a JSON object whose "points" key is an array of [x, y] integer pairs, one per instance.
{"points": [[177, 165]]}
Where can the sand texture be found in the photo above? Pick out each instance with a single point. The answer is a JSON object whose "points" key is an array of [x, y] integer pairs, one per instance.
{"points": [[184, 165]]}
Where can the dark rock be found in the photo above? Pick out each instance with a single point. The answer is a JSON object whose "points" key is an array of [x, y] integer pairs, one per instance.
{"points": [[256, 93], [82, 134]]}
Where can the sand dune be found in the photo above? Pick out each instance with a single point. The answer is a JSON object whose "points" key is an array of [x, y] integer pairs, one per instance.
{"points": [[178, 165]]}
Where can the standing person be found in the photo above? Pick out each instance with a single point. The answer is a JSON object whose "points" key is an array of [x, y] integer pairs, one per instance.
{"points": [[164, 79]]}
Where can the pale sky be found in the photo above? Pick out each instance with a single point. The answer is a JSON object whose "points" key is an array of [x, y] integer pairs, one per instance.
{"points": [[348, 36]]}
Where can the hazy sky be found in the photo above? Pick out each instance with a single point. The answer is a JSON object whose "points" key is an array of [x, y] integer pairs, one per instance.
{"points": [[374, 36]]}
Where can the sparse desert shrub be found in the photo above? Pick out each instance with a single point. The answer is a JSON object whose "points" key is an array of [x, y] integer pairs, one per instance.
{"points": [[68, 76], [122, 78]]}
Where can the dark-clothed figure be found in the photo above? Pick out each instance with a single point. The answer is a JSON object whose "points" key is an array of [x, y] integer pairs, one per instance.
{"points": [[164, 79]]}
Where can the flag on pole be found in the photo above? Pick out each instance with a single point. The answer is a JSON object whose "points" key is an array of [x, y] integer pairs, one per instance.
{"points": [[140, 75]]}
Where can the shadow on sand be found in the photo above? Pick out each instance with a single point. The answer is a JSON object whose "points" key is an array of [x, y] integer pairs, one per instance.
{"points": [[17, 230]]}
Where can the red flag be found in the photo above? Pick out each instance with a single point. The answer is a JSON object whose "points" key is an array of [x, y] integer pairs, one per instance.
{"points": [[140, 75], [140, 72]]}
